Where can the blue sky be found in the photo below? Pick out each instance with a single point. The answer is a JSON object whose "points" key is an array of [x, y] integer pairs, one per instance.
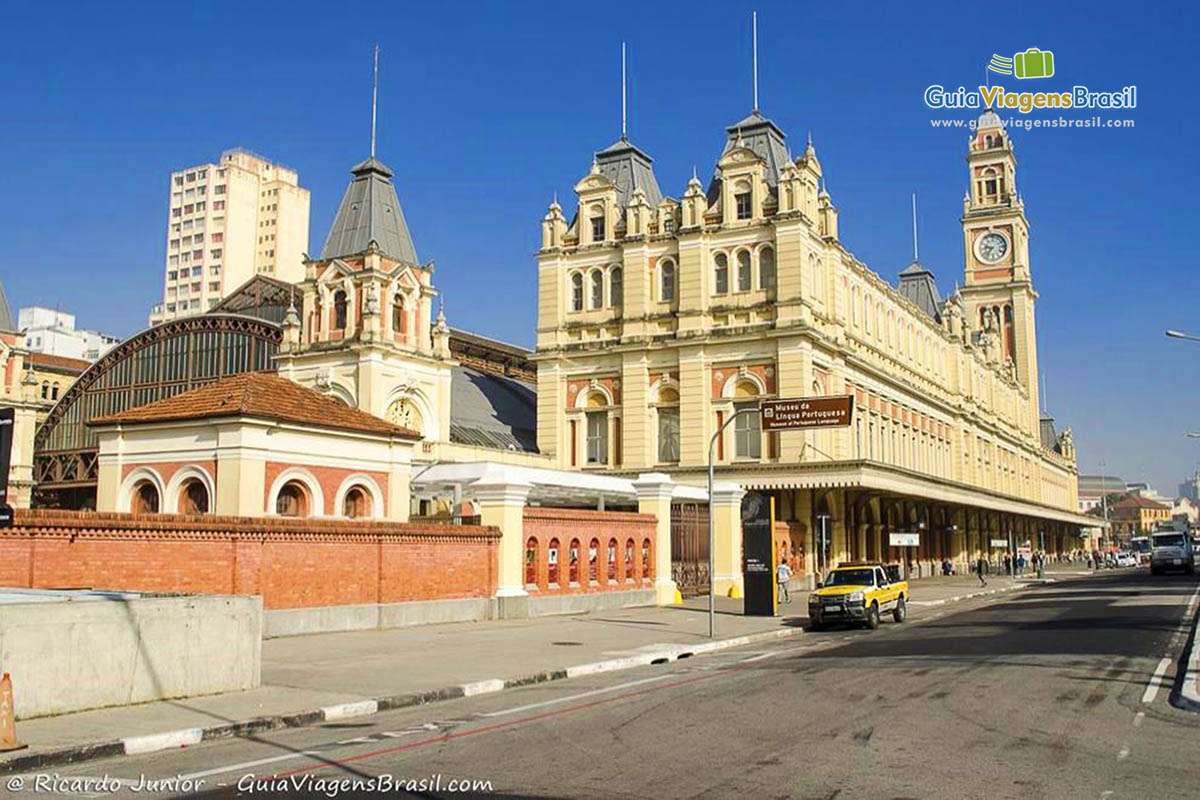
{"points": [[487, 109]]}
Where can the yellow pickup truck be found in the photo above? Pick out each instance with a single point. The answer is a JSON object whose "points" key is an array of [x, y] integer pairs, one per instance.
{"points": [[858, 592]]}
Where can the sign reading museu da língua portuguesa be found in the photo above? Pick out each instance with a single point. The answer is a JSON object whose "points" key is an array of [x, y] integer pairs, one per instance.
{"points": [[833, 411]]}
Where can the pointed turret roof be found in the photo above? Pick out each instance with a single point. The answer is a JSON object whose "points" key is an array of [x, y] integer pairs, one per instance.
{"points": [[370, 212], [918, 285], [7, 323], [629, 168], [763, 137]]}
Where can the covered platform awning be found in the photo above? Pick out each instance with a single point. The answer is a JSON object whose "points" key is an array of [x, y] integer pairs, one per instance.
{"points": [[551, 487], [886, 479]]}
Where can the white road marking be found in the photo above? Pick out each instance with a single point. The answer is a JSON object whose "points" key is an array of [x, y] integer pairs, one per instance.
{"points": [[580, 696], [1155, 681], [1124, 754], [247, 764], [1139, 718]]}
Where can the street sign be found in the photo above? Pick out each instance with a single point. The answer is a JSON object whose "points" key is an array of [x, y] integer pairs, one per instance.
{"points": [[904, 539], [833, 411], [999, 542]]}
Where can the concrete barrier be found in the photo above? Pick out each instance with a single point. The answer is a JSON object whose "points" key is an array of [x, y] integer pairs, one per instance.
{"points": [[73, 653], [333, 619]]}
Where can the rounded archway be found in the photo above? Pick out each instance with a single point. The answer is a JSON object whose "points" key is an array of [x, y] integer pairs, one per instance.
{"points": [[193, 497], [292, 500], [145, 498]]}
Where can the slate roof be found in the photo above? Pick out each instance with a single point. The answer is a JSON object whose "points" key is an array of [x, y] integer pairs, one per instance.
{"points": [[7, 322], [766, 140], [263, 396], [370, 211], [919, 286], [493, 411], [1049, 435], [628, 166]]}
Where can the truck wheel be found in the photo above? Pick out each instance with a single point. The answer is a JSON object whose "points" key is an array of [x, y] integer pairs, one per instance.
{"points": [[900, 612], [873, 616]]}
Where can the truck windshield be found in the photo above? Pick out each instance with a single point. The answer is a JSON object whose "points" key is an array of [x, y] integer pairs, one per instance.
{"points": [[851, 577], [1169, 540]]}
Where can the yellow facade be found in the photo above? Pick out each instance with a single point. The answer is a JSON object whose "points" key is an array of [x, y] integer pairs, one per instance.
{"points": [[657, 323]]}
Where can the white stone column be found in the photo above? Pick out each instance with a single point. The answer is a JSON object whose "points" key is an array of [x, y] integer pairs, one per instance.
{"points": [[726, 513], [501, 497], [654, 491]]}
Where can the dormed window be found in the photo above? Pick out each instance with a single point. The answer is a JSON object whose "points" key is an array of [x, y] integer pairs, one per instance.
{"points": [[766, 268], [743, 200], [598, 228], [339, 310], [744, 274], [666, 292], [720, 274], [616, 288], [576, 292], [597, 293]]}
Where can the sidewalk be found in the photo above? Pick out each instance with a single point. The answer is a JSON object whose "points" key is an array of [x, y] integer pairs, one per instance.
{"points": [[310, 679]]}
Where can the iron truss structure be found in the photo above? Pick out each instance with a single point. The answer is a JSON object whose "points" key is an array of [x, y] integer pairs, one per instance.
{"points": [[152, 365]]}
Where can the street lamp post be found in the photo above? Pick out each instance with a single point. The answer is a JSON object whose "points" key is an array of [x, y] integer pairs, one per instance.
{"points": [[712, 534]]}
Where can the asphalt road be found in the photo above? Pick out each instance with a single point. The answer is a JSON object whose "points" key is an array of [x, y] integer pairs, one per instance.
{"points": [[1060, 691]]}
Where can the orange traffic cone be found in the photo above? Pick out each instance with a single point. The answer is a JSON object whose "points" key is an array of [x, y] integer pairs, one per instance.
{"points": [[8, 719]]}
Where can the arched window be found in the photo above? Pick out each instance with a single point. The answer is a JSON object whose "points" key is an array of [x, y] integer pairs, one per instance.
{"points": [[403, 413], [531, 565], [647, 564], [766, 269], [292, 500], [399, 316], [668, 425], [612, 560], [45, 390], [54, 391], [573, 562], [597, 299], [552, 563], [357, 503], [720, 274], [666, 292], [145, 498], [744, 275], [193, 497], [576, 292], [597, 218], [594, 561], [629, 567], [616, 290], [339, 311]]}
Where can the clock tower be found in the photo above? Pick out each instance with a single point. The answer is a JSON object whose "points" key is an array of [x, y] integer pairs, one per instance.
{"points": [[998, 293]]}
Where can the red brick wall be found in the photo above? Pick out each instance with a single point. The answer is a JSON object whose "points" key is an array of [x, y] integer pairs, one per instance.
{"points": [[631, 568], [292, 563]]}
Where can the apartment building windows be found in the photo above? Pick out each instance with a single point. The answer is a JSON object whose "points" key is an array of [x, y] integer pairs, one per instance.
{"points": [[219, 205], [179, 180], [175, 212], [174, 244], [218, 237], [220, 189], [215, 253], [172, 275], [191, 177]]}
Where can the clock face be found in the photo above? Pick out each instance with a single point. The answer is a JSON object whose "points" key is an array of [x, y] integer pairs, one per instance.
{"points": [[992, 247]]}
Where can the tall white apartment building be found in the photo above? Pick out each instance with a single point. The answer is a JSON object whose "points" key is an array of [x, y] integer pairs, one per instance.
{"points": [[228, 222]]}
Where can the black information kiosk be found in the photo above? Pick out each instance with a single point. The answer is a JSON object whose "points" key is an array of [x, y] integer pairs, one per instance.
{"points": [[7, 416], [758, 513]]}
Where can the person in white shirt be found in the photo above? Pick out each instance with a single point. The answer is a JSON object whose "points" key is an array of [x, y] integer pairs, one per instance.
{"points": [[783, 574]]}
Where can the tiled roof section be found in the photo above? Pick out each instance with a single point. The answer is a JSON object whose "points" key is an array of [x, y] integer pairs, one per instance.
{"points": [[73, 366], [370, 212], [260, 395], [1136, 501], [492, 411]]}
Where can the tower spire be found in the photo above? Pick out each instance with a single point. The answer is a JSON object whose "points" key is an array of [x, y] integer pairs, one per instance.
{"points": [[624, 132], [754, 19], [914, 209], [374, 99]]}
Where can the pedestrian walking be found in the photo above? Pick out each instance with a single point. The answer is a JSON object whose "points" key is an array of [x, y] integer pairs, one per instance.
{"points": [[783, 574], [980, 567]]}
